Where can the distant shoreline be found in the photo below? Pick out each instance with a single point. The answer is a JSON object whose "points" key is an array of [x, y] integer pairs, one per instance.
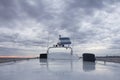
{"points": [[3, 60], [115, 59]]}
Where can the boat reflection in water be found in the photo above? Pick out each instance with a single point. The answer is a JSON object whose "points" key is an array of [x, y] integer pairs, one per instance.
{"points": [[57, 65], [66, 65], [88, 66], [43, 61]]}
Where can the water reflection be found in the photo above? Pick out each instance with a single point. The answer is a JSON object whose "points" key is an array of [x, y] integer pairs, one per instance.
{"points": [[65, 65], [43, 61], [59, 70], [57, 65], [88, 66]]}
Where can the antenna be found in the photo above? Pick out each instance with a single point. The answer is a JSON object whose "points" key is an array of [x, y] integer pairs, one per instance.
{"points": [[48, 41], [59, 36]]}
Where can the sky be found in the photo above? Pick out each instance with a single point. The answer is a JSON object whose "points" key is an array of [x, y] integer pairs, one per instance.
{"points": [[28, 27]]}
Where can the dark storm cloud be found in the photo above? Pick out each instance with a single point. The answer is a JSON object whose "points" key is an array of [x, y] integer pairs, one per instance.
{"points": [[82, 9], [7, 51], [15, 8], [15, 38], [7, 10], [115, 43], [72, 16], [4, 51], [35, 11], [32, 43], [89, 5], [7, 37]]}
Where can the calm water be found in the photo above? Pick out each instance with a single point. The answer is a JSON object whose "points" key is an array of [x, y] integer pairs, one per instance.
{"points": [[59, 70]]}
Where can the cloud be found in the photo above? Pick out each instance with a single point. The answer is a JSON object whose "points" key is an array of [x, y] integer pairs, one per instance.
{"points": [[30, 23]]}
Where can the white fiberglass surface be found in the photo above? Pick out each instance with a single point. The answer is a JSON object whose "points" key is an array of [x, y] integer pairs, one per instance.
{"points": [[52, 69]]}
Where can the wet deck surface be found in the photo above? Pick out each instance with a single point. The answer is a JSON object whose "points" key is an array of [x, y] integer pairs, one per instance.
{"points": [[59, 70]]}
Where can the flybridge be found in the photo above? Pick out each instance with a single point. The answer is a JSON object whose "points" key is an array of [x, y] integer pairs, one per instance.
{"points": [[64, 42]]}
